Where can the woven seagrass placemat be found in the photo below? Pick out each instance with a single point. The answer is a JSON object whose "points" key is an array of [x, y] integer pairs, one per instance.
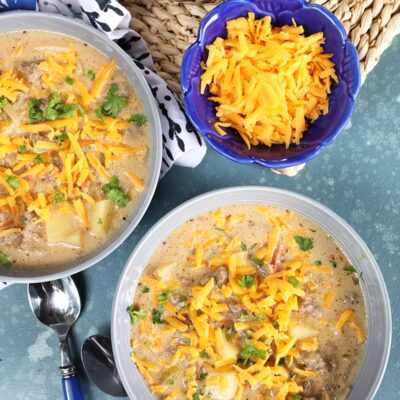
{"points": [[170, 26]]}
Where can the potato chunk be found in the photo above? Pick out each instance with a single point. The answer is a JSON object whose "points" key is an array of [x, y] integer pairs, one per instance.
{"points": [[164, 272], [100, 216], [229, 388], [302, 331], [63, 229], [225, 349]]}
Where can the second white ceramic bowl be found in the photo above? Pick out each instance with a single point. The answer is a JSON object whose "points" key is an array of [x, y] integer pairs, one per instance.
{"points": [[373, 286]]}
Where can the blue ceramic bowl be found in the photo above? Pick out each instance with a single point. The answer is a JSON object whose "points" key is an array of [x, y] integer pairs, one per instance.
{"points": [[324, 130]]}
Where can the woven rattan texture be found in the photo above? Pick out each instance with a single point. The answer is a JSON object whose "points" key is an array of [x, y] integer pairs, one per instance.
{"points": [[169, 27]]}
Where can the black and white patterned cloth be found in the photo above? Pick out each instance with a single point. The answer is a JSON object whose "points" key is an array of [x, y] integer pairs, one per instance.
{"points": [[182, 145]]}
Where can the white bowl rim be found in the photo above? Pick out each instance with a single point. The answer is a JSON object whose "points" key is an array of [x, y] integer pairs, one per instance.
{"points": [[377, 352], [33, 275]]}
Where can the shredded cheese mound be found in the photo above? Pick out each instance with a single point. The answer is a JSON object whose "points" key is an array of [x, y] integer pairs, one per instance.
{"points": [[268, 82]]}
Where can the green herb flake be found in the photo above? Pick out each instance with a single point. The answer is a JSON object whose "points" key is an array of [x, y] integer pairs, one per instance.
{"points": [[249, 351], [136, 314], [185, 340], [254, 245], [13, 182], [349, 269], [318, 262], [38, 159], [170, 381], [305, 243], [58, 198], [3, 102], [60, 139], [204, 354], [298, 397], [231, 330], [243, 246], [145, 289], [247, 281], [156, 315], [294, 281], [334, 263], [245, 317], [35, 113], [112, 105], [203, 376], [99, 221], [139, 119], [69, 80], [4, 260], [114, 192], [217, 228], [196, 396], [90, 74], [22, 149], [164, 296], [257, 261]]}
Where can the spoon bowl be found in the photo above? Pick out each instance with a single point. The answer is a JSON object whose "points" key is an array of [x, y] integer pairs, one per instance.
{"points": [[99, 364]]}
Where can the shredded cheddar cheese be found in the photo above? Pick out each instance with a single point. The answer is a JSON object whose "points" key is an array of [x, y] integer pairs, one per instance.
{"points": [[268, 82]]}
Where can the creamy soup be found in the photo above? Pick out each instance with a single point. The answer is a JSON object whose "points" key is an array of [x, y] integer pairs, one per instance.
{"points": [[73, 149], [248, 302]]}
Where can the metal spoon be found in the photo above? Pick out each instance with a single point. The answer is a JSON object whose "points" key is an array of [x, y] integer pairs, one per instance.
{"points": [[57, 305], [99, 364]]}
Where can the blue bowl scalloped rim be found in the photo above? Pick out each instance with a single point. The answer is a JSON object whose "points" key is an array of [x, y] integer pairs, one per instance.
{"points": [[324, 130]]}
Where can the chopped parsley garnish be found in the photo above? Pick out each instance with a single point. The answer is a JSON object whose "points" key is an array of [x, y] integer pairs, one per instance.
{"points": [[114, 192], [38, 159], [164, 296], [170, 381], [69, 80], [294, 281], [217, 228], [305, 243], [185, 340], [298, 397], [91, 74], [257, 261], [112, 105], [13, 182], [203, 376], [139, 119], [145, 289], [318, 262], [58, 109], [243, 246], [35, 113], [156, 315], [247, 281], [196, 396], [204, 354], [58, 198], [4, 260], [334, 263], [349, 269], [249, 351], [99, 221], [135, 314], [22, 149], [60, 139]]}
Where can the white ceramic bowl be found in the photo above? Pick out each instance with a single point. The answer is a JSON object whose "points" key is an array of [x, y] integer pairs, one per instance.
{"points": [[377, 349], [28, 20]]}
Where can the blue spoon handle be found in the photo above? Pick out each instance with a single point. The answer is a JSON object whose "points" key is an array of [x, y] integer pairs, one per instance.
{"points": [[72, 388]]}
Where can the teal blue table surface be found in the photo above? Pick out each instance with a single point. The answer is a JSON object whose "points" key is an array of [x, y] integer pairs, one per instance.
{"points": [[358, 177]]}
